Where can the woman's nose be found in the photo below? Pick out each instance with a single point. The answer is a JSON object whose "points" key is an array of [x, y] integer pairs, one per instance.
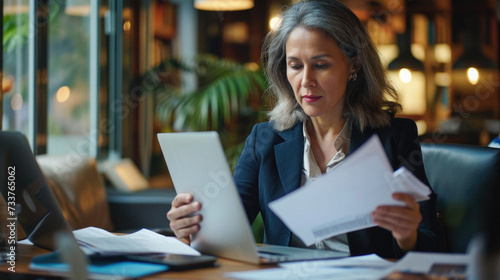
{"points": [[308, 78]]}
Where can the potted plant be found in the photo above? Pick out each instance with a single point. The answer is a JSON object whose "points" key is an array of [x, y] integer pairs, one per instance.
{"points": [[228, 98]]}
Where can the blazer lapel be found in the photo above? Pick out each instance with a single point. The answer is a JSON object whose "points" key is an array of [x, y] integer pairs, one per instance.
{"points": [[358, 137], [290, 153], [290, 157]]}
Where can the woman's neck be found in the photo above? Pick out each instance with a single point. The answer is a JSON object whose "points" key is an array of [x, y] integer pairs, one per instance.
{"points": [[321, 128], [321, 138]]}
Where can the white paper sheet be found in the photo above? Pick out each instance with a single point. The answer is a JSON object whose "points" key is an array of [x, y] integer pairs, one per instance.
{"points": [[368, 267], [421, 262], [331, 273], [98, 241], [366, 261], [343, 200]]}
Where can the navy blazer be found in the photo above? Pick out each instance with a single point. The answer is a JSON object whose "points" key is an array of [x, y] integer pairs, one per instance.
{"points": [[270, 167]]}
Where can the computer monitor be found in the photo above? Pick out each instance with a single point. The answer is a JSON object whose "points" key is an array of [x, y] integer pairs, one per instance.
{"points": [[39, 213]]}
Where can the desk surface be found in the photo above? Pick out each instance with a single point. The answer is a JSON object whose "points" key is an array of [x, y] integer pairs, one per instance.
{"points": [[26, 252]]}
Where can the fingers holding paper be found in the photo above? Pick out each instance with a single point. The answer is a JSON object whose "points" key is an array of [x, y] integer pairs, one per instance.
{"points": [[402, 221], [183, 221]]}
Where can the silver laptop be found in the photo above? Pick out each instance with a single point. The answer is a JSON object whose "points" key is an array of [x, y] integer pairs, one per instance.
{"points": [[198, 165]]}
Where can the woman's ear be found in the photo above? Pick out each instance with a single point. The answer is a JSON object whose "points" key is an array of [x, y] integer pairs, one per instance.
{"points": [[356, 64]]}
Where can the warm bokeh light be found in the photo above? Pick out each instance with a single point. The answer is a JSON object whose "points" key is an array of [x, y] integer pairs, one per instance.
{"points": [[274, 23], [418, 51], [411, 95], [223, 5], [62, 94], [405, 75], [473, 75], [126, 25], [388, 52], [421, 127], [7, 84], [252, 66], [442, 53], [442, 79]]}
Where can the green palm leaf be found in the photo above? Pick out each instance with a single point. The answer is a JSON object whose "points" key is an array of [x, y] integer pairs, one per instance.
{"points": [[224, 87]]}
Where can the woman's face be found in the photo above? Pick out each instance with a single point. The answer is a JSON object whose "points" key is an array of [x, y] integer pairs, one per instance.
{"points": [[318, 72]]}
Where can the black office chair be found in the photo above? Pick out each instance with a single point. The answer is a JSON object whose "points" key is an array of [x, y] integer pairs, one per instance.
{"points": [[461, 176]]}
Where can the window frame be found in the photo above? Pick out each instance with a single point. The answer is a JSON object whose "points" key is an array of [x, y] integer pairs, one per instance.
{"points": [[100, 125]]}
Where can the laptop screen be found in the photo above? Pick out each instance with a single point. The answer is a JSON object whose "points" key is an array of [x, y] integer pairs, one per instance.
{"points": [[25, 187]]}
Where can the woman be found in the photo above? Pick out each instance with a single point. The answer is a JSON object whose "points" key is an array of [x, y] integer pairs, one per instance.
{"points": [[332, 94]]}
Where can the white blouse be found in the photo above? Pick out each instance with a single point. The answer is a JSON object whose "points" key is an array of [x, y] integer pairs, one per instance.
{"points": [[311, 170]]}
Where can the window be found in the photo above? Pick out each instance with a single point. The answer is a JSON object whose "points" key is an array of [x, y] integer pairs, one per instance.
{"points": [[16, 101], [68, 72], [53, 92], [71, 76]]}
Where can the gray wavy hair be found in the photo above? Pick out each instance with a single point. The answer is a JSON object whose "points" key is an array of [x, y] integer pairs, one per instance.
{"points": [[368, 99]]}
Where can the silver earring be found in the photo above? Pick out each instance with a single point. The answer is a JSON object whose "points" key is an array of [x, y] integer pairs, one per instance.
{"points": [[354, 76]]}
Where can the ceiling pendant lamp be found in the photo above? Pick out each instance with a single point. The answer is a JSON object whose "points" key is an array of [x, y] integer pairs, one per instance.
{"points": [[407, 74], [405, 59], [223, 5], [473, 55], [473, 60]]}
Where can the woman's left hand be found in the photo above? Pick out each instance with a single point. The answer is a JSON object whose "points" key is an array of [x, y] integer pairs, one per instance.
{"points": [[402, 221]]}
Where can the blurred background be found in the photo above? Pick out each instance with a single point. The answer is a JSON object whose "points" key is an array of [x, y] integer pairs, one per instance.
{"points": [[101, 78]]}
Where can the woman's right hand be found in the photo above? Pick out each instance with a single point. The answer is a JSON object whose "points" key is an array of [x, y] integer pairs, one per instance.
{"points": [[182, 221]]}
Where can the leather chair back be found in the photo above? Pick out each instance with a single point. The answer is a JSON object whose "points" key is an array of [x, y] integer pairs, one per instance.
{"points": [[79, 189], [461, 176]]}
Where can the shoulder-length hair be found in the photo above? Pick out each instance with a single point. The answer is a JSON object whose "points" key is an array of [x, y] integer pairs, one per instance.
{"points": [[368, 99]]}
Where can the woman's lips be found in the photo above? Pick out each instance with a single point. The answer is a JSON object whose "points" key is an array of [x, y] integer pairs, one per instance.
{"points": [[311, 98]]}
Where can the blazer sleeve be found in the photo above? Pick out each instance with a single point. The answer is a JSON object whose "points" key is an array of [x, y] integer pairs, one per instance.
{"points": [[246, 174]]}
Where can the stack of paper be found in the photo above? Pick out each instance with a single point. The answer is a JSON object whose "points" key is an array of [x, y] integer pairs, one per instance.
{"points": [[96, 241], [343, 200], [105, 250]]}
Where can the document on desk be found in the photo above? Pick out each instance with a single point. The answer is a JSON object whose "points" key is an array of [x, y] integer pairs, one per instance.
{"points": [[343, 200], [365, 261], [326, 273], [367, 267], [96, 241], [438, 265]]}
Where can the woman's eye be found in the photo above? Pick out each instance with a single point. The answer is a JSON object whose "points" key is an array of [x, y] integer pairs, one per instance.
{"points": [[321, 66], [295, 66]]}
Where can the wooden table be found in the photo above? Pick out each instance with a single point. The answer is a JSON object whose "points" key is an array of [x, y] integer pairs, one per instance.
{"points": [[25, 253]]}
